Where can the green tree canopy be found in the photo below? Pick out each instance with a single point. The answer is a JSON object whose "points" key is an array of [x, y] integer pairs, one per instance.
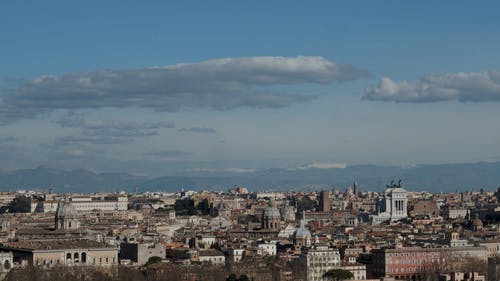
{"points": [[20, 204], [232, 277], [203, 207], [184, 206], [153, 260], [338, 275], [243, 277], [303, 204]]}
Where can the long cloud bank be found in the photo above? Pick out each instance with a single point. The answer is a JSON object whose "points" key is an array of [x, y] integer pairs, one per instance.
{"points": [[462, 86], [108, 131], [220, 83]]}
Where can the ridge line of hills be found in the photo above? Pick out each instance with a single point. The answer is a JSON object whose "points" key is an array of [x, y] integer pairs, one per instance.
{"points": [[434, 178]]}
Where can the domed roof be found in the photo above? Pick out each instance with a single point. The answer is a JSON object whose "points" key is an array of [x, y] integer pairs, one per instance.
{"points": [[220, 221], [66, 209], [302, 233], [272, 212], [221, 205], [477, 221]]}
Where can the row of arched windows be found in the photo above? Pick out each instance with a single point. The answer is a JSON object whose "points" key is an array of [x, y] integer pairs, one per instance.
{"points": [[76, 257]]}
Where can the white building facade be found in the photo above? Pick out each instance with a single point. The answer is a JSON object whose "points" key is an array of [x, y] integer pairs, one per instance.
{"points": [[318, 261], [85, 204], [392, 205]]}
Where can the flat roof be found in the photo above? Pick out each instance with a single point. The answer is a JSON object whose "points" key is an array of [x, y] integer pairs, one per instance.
{"points": [[59, 244]]}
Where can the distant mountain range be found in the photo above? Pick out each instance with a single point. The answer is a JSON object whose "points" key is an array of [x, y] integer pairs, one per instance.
{"points": [[434, 178]]}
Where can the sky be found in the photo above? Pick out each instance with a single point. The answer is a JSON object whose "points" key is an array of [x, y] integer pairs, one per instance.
{"points": [[170, 87]]}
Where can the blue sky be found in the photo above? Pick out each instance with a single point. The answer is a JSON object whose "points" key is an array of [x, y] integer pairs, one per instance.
{"points": [[164, 87]]}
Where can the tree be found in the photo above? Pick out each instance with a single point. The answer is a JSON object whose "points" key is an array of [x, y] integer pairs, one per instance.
{"points": [[232, 277], [184, 206], [243, 277], [153, 260], [20, 204], [203, 207], [303, 204], [338, 275]]}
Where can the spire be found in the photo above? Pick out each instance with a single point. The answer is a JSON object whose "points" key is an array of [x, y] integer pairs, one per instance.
{"points": [[303, 220]]}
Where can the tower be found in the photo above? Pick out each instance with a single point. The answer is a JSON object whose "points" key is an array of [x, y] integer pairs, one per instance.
{"points": [[287, 212], [356, 188], [302, 236], [324, 201]]}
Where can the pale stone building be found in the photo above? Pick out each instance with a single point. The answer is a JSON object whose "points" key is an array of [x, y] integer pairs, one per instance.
{"points": [[392, 205], [317, 261], [140, 253], [85, 204], [268, 248], [212, 257], [51, 253]]}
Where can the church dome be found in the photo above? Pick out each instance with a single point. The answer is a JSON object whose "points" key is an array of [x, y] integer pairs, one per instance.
{"points": [[221, 205], [477, 222], [272, 212], [302, 233], [66, 209]]}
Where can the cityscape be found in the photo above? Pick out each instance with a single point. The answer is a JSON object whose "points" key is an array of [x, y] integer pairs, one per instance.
{"points": [[250, 140], [395, 234]]}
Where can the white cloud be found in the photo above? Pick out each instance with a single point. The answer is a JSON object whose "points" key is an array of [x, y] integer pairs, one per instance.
{"points": [[220, 83], [464, 87], [323, 165]]}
